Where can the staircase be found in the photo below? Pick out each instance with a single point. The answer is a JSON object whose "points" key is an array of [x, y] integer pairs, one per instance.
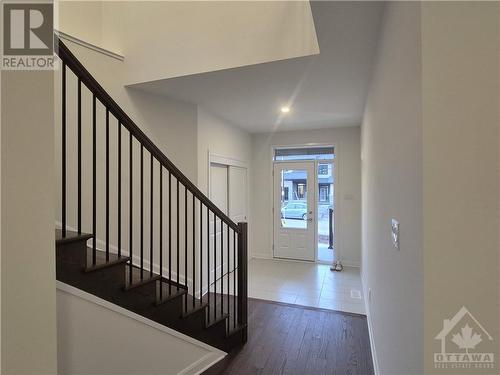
{"points": [[156, 246]]}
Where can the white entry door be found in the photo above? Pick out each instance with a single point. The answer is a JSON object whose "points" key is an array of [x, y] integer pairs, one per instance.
{"points": [[294, 210]]}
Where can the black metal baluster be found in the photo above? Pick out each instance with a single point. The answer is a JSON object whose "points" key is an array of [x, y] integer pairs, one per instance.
{"points": [[185, 242], [208, 261], [131, 207], [215, 266], [63, 151], [79, 146], [234, 278], [151, 222], [142, 212], [177, 230], [221, 267], [194, 250], [201, 252], [119, 189], [161, 232], [107, 185], [94, 176], [243, 275], [169, 233], [228, 273]]}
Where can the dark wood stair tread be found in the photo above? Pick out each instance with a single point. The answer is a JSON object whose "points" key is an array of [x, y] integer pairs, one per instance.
{"points": [[101, 261], [213, 320], [166, 291], [139, 278], [71, 236], [191, 305]]}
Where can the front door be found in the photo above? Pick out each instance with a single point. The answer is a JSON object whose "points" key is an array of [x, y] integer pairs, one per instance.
{"points": [[294, 210]]}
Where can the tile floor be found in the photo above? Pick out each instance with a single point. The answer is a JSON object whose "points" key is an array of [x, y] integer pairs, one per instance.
{"points": [[306, 284]]}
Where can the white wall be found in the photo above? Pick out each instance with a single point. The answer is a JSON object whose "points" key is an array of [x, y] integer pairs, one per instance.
{"points": [[126, 344], [222, 138], [461, 127], [347, 142], [28, 258], [81, 19], [430, 149], [392, 188]]}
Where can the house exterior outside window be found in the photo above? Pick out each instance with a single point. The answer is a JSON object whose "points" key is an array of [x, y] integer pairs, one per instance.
{"points": [[324, 193], [323, 169], [301, 191]]}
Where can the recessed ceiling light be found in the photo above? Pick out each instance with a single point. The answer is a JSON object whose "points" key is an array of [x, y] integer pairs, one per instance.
{"points": [[285, 109]]}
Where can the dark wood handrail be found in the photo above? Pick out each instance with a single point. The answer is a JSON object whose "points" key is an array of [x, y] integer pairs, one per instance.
{"points": [[84, 75]]}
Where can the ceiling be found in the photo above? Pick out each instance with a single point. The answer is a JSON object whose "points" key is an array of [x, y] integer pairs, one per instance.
{"points": [[324, 90]]}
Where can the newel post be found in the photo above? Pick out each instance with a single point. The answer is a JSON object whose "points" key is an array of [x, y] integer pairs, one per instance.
{"points": [[243, 276]]}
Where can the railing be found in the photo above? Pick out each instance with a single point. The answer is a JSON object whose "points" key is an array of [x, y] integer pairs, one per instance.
{"points": [[330, 228], [203, 278]]}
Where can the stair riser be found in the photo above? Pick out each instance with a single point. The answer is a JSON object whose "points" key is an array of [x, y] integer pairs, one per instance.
{"points": [[193, 323], [74, 253], [168, 313]]}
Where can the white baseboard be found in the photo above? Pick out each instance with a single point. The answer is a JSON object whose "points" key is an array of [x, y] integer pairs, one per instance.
{"points": [[261, 256], [270, 256], [348, 263], [370, 327]]}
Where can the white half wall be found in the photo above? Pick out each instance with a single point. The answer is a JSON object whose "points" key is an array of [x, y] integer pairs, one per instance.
{"points": [[347, 143], [97, 337]]}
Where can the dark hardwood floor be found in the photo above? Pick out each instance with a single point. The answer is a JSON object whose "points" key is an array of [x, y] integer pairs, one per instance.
{"points": [[290, 339]]}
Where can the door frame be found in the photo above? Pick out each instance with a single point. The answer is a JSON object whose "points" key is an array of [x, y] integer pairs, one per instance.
{"points": [[336, 193]]}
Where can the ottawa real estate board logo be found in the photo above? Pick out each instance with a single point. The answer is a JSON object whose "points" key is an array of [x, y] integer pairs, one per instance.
{"points": [[28, 36], [465, 343]]}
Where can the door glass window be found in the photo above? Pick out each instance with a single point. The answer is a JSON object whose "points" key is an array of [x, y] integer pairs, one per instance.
{"points": [[294, 210], [304, 153]]}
